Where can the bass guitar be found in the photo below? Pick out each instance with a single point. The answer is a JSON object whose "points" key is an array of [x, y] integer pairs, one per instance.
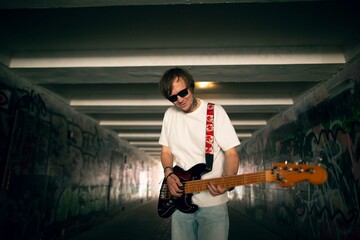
{"points": [[283, 173]]}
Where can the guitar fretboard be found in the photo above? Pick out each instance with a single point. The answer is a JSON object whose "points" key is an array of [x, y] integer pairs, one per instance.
{"points": [[225, 182]]}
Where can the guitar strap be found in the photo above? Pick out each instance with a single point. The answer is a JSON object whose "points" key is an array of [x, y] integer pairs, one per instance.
{"points": [[209, 141]]}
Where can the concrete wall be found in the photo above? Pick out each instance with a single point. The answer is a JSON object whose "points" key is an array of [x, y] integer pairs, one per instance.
{"points": [[60, 172], [323, 127]]}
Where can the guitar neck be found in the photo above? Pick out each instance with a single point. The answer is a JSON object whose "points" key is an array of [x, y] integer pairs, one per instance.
{"points": [[228, 181]]}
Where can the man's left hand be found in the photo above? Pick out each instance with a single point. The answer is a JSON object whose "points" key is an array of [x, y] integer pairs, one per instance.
{"points": [[215, 189]]}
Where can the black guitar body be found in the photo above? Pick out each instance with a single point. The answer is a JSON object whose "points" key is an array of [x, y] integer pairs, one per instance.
{"points": [[168, 204]]}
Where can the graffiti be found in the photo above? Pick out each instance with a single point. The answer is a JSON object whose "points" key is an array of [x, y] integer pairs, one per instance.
{"points": [[334, 207], [5, 121], [63, 172], [332, 141], [68, 204], [326, 133], [80, 201], [4, 98], [31, 101]]}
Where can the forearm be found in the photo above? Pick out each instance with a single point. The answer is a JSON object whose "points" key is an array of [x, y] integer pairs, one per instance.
{"points": [[172, 180], [166, 160], [232, 162], [231, 168]]}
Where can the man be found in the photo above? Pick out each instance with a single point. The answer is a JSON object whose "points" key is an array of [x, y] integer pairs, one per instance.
{"points": [[183, 141]]}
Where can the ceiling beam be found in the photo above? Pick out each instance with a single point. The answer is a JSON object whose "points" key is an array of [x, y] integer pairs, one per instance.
{"points": [[178, 57], [163, 102]]}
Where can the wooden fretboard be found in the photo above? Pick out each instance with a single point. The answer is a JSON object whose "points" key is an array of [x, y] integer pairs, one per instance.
{"points": [[226, 182]]}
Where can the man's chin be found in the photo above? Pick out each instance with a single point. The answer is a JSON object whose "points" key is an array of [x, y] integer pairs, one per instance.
{"points": [[185, 109]]}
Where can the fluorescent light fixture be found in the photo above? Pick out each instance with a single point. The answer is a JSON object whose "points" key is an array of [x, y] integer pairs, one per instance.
{"points": [[248, 122], [121, 102], [178, 57], [156, 135], [139, 135], [252, 102], [203, 84], [150, 148], [162, 102], [130, 123], [154, 154], [244, 135], [159, 123], [144, 143]]}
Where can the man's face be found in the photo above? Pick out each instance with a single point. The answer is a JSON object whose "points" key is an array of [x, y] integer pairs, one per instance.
{"points": [[184, 103]]}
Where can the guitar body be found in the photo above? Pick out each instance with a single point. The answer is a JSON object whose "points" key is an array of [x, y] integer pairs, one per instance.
{"points": [[168, 204]]}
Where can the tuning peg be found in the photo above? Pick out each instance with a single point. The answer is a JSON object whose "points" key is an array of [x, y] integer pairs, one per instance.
{"points": [[298, 170], [310, 170], [283, 180], [276, 168], [288, 169]]}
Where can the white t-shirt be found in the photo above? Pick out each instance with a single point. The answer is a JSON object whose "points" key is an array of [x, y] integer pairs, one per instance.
{"points": [[184, 134]]}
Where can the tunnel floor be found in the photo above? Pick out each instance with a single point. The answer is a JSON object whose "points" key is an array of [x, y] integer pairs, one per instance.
{"points": [[143, 223]]}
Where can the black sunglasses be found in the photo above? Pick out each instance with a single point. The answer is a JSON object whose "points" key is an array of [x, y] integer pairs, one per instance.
{"points": [[182, 93]]}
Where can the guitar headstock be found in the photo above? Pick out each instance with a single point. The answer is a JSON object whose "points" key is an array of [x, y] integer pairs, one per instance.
{"points": [[287, 174]]}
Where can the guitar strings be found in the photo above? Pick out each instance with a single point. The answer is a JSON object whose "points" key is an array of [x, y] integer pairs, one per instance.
{"points": [[199, 185], [230, 181]]}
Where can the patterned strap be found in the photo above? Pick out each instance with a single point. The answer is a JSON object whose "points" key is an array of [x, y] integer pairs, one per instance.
{"points": [[209, 150]]}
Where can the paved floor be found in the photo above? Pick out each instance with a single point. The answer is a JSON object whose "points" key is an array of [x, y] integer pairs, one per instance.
{"points": [[143, 223]]}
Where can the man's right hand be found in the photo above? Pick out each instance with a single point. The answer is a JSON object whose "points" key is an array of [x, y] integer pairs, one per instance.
{"points": [[174, 185]]}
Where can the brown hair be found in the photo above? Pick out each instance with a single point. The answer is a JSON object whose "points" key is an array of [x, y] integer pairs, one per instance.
{"points": [[168, 77]]}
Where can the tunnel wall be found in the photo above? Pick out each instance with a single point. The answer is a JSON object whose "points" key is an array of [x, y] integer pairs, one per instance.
{"points": [[323, 127], [61, 172]]}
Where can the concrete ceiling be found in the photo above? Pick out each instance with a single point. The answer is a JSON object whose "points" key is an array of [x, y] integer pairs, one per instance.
{"points": [[261, 56]]}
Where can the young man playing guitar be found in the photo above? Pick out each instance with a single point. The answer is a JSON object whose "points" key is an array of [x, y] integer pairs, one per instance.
{"points": [[184, 129]]}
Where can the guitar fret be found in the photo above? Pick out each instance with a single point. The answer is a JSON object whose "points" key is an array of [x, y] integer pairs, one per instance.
{"points": [[225, 182]]}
